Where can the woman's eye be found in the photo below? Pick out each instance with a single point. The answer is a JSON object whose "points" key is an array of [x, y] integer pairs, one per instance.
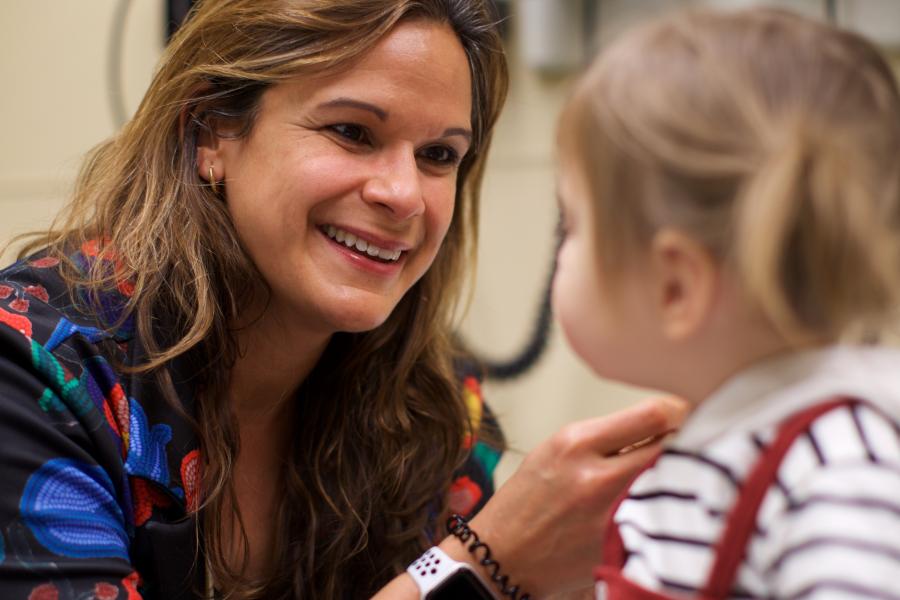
{"points": [[441, 155], [351, 132]]}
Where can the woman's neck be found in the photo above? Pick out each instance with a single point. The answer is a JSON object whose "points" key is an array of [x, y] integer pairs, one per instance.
{"points": [[275, 356]]}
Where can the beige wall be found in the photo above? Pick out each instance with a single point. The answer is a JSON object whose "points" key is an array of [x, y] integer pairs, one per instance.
{"points": [[55, 107]]}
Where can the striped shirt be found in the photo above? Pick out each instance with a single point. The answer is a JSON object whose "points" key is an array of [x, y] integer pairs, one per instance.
{"points": [[828, 527]]}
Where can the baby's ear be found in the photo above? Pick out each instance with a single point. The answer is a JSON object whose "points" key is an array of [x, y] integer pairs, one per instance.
{"points": [[685, 283]]}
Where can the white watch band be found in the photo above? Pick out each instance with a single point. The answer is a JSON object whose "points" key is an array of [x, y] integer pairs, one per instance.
{"points": [[432, 568]]}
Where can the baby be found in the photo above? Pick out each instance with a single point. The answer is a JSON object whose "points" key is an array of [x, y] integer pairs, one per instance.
{"points": [[730, 197]]}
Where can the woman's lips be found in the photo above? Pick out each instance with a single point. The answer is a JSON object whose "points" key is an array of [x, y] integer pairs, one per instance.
{"points": [[362, 259], [366, 245]]}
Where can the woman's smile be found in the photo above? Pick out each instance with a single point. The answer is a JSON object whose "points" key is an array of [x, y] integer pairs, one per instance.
{"points": [[366, 244], [366, 251]]}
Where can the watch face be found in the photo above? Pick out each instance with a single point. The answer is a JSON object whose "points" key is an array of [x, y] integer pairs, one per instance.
{"points": [[461, 585]]}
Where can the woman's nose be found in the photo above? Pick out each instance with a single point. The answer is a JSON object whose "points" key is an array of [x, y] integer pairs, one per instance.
{"points": [[395, 185]]}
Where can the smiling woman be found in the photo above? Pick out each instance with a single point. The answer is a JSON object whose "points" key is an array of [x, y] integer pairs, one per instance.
{"points": [[249, 305]]}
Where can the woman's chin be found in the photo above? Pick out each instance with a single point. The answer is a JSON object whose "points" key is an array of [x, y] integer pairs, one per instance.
{"points": [[359, 321]]}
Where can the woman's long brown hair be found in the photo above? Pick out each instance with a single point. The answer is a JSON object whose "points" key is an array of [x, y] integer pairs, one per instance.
{"points": [[380, 421]]}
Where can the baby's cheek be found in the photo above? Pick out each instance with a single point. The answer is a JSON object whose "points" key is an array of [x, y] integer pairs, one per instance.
{"points": [[566, 308]]}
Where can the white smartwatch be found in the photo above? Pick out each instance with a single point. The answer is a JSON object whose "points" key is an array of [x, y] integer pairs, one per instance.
{"points": [[439, 577]]}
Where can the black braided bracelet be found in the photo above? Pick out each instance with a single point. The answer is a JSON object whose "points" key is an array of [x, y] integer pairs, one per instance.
{"points": [[457, 526]]}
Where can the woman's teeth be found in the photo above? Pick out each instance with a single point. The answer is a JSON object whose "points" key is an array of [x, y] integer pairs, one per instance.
{"points": [[361, 245]]}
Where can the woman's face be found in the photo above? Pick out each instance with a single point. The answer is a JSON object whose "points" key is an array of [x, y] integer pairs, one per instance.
{"points": [[344, 189]]}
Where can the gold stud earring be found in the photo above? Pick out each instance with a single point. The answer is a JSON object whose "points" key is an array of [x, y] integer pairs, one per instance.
{"points": [[212, 181]]}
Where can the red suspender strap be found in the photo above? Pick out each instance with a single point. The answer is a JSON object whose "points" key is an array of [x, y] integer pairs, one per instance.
{"points": [[732, 546], [613, 547]]}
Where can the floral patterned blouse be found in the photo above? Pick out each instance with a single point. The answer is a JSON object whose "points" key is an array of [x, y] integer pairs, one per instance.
{"points": [[97, 472]]}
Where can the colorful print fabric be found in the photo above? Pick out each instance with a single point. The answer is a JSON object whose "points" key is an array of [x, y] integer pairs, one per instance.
{"points": [[97, 473]]}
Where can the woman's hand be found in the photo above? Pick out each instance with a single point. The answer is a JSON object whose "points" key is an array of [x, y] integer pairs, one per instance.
{"points": [[545, 525]]}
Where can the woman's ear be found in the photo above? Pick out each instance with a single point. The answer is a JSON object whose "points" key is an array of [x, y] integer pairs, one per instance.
{"points": [[686, 279], [209, 165], [194, 117]]}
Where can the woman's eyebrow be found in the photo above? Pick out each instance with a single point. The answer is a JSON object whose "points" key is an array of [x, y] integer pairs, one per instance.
{"points": [[461, 131], [351, 103]]}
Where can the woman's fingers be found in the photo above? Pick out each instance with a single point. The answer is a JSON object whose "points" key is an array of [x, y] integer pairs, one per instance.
{"points": [[626, 464], [626, 429]]}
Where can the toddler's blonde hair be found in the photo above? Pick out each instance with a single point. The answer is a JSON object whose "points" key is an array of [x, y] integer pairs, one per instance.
{"points": [[771, 138]]}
